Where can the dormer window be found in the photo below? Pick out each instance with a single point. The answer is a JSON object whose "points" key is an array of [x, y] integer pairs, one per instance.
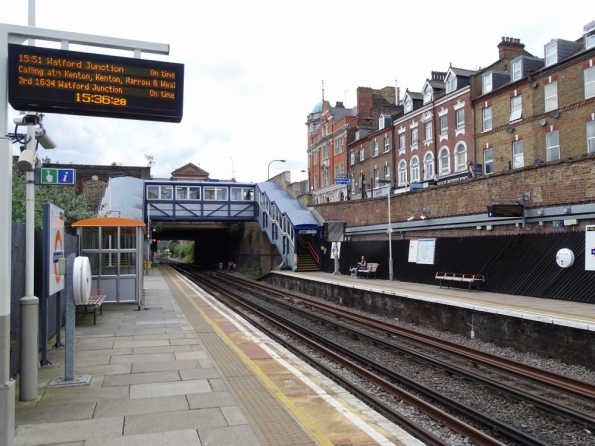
{"points": [[486, 83], [551, 53], [590, 35], [428, 93], [517, 70], [408, 103], [451, 84]]}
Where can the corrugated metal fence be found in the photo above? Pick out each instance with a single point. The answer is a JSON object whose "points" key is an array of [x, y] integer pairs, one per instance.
{"points": [[523, 264]]}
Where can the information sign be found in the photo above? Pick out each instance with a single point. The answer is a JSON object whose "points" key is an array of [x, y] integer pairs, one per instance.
{"points": [[505, 210], [342, 180], [58, 177], [55, 248], [71, 82], [590, 248]]}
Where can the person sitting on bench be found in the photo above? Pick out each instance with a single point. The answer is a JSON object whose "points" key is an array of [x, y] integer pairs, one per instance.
{"points": [[359, 266]]}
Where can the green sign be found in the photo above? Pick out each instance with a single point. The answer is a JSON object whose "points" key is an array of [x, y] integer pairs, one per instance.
{"points": [[58, 177]]}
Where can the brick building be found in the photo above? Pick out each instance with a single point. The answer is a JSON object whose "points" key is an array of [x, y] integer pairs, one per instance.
{"points": [[331, 130]]}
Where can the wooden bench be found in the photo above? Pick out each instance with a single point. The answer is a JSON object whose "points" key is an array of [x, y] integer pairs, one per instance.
{"points": [[95, 302], [463, 278], [370, 270]]}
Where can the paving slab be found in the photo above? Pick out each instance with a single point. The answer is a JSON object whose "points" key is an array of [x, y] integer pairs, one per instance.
{"points": [[213, 399], [164, 349], [182, 356], [169, 388], [174, 421], [184, 341], [199, 374], [172, 336], [95, 370], [141, 378], [186, 438], [68, 431], [63, 395], [52, 413], [155, 357], [134, 344], [161, 366], [111, 408]]}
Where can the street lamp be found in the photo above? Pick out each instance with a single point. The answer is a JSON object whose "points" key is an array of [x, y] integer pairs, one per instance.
{"points": [[269, 170], [389, 231]]}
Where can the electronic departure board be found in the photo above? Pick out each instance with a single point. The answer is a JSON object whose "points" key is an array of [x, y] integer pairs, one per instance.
{"points": [[70, 82], [506, 210]]}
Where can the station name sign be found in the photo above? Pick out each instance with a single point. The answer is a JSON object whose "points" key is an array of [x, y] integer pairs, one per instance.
{"points": [[70, 82]]}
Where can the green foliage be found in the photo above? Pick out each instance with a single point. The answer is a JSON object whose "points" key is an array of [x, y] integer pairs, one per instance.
{"points": [[236, 229], [254, 271], [75, 206], [184, 251]]}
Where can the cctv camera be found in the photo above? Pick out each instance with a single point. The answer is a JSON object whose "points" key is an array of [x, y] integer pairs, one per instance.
{"points": [[27, 120], [26, 161], [43, 138], [423, 217], [411, 218]]}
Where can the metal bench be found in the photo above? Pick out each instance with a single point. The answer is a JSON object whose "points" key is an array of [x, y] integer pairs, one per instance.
{"points": [[463, 278], [95, 302], [370, 270]]}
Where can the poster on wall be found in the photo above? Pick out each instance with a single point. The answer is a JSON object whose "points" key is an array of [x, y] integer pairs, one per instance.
{"points": [[422, 250], [590, 248]]}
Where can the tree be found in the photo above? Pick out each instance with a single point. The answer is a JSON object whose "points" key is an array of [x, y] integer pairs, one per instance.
{"points": [[75, 206]]}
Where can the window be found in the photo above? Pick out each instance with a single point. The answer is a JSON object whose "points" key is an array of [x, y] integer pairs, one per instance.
{"points": [[315, 156], [375, 148], [181, 193], [589, 82], [429, 131], [516, 108], [325, 152], [166, 193], [376, 177], [428, 95], [324, 130], [461, 157], [242, 193], [518, 159], [460, 115], [414, 169], [429, 166], [486, 83], [336, 147], [315, 181], [402, 141], [387, 172], [386, 144], [451, 84], [152, 192], [487, 119], [414, 136], [551, 96], [215, 193], [194, 192], [444, 161], [402, 173], [325, 178], [551, 53], [517, 66], [352, 158], [408, 104], [591, 137], [488, 161], [552, 145], [341, 145], [361, 154], [443, 124]]}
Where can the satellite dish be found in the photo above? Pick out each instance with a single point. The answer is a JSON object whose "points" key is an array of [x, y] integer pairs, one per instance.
{"points": [[533, 84], [510, 129], [542, 122], [555, 114]]}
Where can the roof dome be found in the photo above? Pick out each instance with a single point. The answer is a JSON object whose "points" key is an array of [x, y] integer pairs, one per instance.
{"points": [[318, 107]]}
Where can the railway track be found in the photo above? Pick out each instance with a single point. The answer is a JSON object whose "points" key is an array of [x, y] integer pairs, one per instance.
{"points": [[262, 303]]}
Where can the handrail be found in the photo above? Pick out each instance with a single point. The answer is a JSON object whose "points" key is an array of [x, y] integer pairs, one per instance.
{"points": [[309, 247]]}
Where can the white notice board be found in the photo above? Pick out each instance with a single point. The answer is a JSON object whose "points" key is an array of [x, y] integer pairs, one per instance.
{"points": [[590, 248], [422, 250]]}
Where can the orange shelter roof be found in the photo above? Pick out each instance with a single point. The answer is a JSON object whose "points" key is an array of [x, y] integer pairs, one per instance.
{"points": [[108, 221]]}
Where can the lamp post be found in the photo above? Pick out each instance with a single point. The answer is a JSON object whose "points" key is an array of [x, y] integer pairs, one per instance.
{"points": [[389, 231], [269, 170]]}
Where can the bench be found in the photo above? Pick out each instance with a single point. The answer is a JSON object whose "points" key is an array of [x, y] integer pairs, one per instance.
{"points": [[463, 278], [370, 269], [96, 299]]}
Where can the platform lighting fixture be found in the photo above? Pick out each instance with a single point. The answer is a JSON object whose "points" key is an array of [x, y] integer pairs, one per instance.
{"points": [[389, 231], [269, 169]]}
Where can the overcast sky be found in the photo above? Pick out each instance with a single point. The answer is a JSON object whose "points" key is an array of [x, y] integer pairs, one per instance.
{"points": [[254, 69]]}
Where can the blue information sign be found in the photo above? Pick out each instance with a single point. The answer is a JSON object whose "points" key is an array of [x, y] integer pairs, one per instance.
{"points": [[57, 177]]}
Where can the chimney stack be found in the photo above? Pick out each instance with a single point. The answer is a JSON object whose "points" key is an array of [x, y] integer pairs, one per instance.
{"points": [[509, 48]]}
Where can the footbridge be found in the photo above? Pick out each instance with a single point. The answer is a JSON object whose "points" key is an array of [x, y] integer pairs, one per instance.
{"points": [[186, 206]]}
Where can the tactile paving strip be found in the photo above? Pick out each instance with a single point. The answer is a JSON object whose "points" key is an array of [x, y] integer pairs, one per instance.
{"points": [[273, 423]]}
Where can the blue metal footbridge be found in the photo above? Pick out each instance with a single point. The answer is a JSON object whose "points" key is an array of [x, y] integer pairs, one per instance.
{"points": [[288, 224]]}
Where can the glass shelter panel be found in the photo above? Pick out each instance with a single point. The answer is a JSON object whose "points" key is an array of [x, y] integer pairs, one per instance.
{"points": [[109, 238], [90, 238]]}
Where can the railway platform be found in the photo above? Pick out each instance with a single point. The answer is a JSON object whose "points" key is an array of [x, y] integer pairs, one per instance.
{"points": [[557, 312], [185, 371]]}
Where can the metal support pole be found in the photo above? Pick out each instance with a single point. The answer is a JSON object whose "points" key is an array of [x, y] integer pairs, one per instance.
{"points": [[390, 236]]}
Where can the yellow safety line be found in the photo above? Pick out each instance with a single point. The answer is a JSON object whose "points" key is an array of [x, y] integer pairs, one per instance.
{"points": [[273, 388]]}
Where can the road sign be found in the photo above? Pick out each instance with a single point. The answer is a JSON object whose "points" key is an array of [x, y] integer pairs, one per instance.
{"points": [[55, 177], [342, 181]]}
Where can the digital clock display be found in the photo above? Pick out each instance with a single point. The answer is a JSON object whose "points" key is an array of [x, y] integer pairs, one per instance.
{"points": [[70, 82]]}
